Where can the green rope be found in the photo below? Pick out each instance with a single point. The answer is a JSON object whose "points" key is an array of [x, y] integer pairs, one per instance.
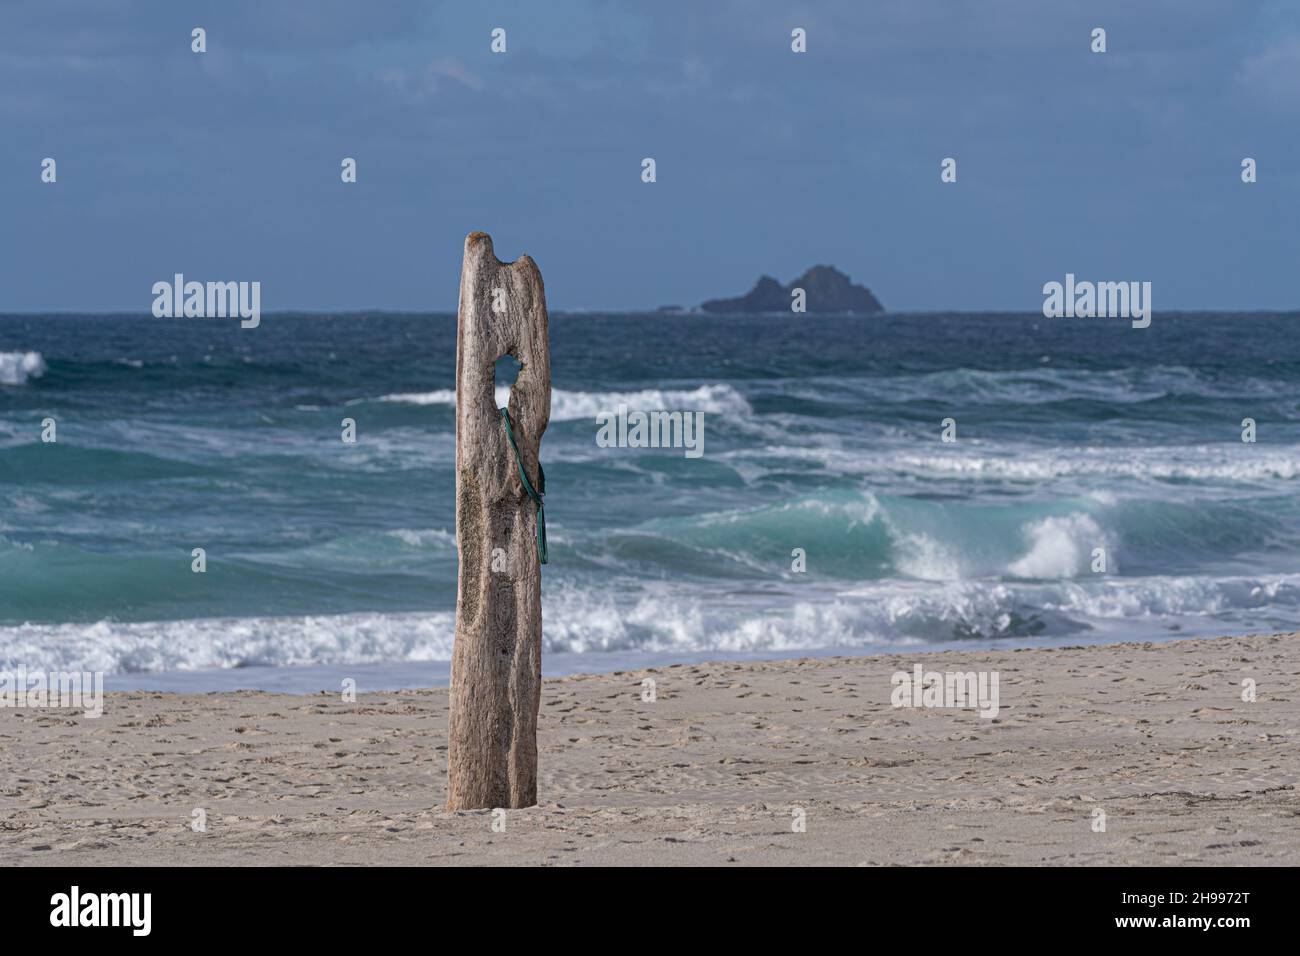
{"points": [[537, 494]]}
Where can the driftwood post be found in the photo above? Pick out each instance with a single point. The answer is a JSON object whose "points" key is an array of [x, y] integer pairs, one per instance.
{"points": [[496, 665]]}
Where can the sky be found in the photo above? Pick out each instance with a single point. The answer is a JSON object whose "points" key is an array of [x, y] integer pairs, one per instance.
{"points": [[225, 165]]}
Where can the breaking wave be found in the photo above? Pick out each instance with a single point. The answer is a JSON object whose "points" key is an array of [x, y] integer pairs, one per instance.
{"points": [[18, 368]]}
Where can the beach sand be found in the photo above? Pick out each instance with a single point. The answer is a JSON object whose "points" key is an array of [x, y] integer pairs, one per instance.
{"points": [[711, 772]]}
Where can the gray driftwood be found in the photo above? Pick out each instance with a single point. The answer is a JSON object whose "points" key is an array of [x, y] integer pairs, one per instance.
{"points": [[496, 667]]}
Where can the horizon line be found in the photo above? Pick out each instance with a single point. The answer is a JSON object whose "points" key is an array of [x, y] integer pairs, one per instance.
{"points": [[657, 311]]}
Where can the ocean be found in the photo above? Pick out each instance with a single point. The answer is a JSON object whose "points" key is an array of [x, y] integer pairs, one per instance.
{"points": [[1077, 441]]}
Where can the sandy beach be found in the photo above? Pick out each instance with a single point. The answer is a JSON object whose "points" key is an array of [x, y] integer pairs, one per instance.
{"points": [[718, 769]]}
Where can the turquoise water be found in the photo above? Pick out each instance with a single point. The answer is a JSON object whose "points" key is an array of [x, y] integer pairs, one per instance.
{"points": [[821, 434]]}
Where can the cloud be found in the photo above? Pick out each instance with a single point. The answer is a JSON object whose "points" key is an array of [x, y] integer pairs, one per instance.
{"points": [[428, 80]]}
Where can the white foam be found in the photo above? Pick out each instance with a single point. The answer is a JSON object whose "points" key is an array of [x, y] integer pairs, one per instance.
{"points": [[1228, 462], [425, 536], [573, 406], [17, 368], [214, 643], [1172, 597], [443, 396], [675, 618], [921, 556], [1060, 547]]}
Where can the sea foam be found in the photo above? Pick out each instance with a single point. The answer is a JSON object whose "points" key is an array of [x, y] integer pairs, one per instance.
{"points": [[18, 368], [689, 622], [574, 406]]}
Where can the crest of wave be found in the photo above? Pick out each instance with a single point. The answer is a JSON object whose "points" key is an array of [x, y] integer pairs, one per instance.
{"points": [[17, 368], [573, 406]]}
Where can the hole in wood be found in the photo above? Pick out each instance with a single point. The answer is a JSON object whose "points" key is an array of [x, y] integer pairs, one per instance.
{"points": [[506, 373]]}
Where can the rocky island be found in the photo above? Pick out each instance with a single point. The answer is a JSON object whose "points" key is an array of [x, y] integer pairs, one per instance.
{"points": [[826, 289]]}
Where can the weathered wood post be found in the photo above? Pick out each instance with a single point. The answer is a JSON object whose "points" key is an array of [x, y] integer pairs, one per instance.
{"points": [[496, 665]]}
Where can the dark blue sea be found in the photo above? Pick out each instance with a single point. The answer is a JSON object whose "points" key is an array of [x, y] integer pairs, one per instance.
{"points": [[1074, 437]]}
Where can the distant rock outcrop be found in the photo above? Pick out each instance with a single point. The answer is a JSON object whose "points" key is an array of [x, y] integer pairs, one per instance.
{"points": [[826, 289]]}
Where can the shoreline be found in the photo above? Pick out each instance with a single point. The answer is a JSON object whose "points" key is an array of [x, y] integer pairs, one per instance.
{"points": [[713, 771], [372, 677]]}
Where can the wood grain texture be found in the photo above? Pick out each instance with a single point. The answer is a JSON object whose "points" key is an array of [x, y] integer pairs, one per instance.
{"points": [[497, 660]]}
